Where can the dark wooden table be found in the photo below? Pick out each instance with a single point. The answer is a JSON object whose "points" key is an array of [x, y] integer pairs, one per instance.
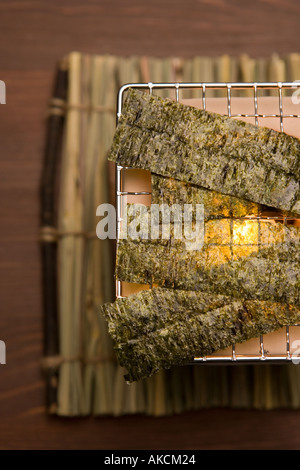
{"points": [[33, 36]]}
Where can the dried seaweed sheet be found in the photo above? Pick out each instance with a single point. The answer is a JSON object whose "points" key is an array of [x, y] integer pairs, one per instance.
{"points": [[161, 328], [270, 273], [209, 150], [216, 205], [161, 224]]}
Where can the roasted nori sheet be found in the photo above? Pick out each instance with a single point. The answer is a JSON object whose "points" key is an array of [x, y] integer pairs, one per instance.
{"points": [[170, 191], [209, 150], [268, 273], [160, 328], [160, 224]]}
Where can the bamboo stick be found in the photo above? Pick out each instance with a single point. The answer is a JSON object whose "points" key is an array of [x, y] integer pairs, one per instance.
{"points": [[261, 71], [293, 64], [222, 72], [293, 379], [187, 71], [196, 75], [240, 387], [55, 122], [70, 251], [247, 67], [100, 365], [277, 72]]}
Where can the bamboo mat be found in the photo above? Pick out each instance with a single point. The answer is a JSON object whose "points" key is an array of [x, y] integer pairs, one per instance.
{"points": [[81, 373]]}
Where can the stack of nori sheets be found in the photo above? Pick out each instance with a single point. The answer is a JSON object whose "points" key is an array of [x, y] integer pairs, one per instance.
{"points": [[245, 279]]}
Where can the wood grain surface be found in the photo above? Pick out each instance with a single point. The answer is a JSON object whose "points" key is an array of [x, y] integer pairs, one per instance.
{"points": [[33, 36]]}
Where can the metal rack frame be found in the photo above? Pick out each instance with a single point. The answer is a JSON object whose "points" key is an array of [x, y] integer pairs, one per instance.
{"points": [[233, 358]]}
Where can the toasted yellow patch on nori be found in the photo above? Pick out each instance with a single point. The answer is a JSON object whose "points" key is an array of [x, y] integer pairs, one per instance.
{"points": [[245, 232], [242, 251]]}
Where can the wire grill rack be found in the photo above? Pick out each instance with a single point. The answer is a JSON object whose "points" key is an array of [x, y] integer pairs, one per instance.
{"points": [[252, 89]]}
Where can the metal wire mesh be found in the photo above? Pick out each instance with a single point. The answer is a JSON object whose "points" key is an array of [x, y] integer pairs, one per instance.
{"points": [[253, 88]]}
